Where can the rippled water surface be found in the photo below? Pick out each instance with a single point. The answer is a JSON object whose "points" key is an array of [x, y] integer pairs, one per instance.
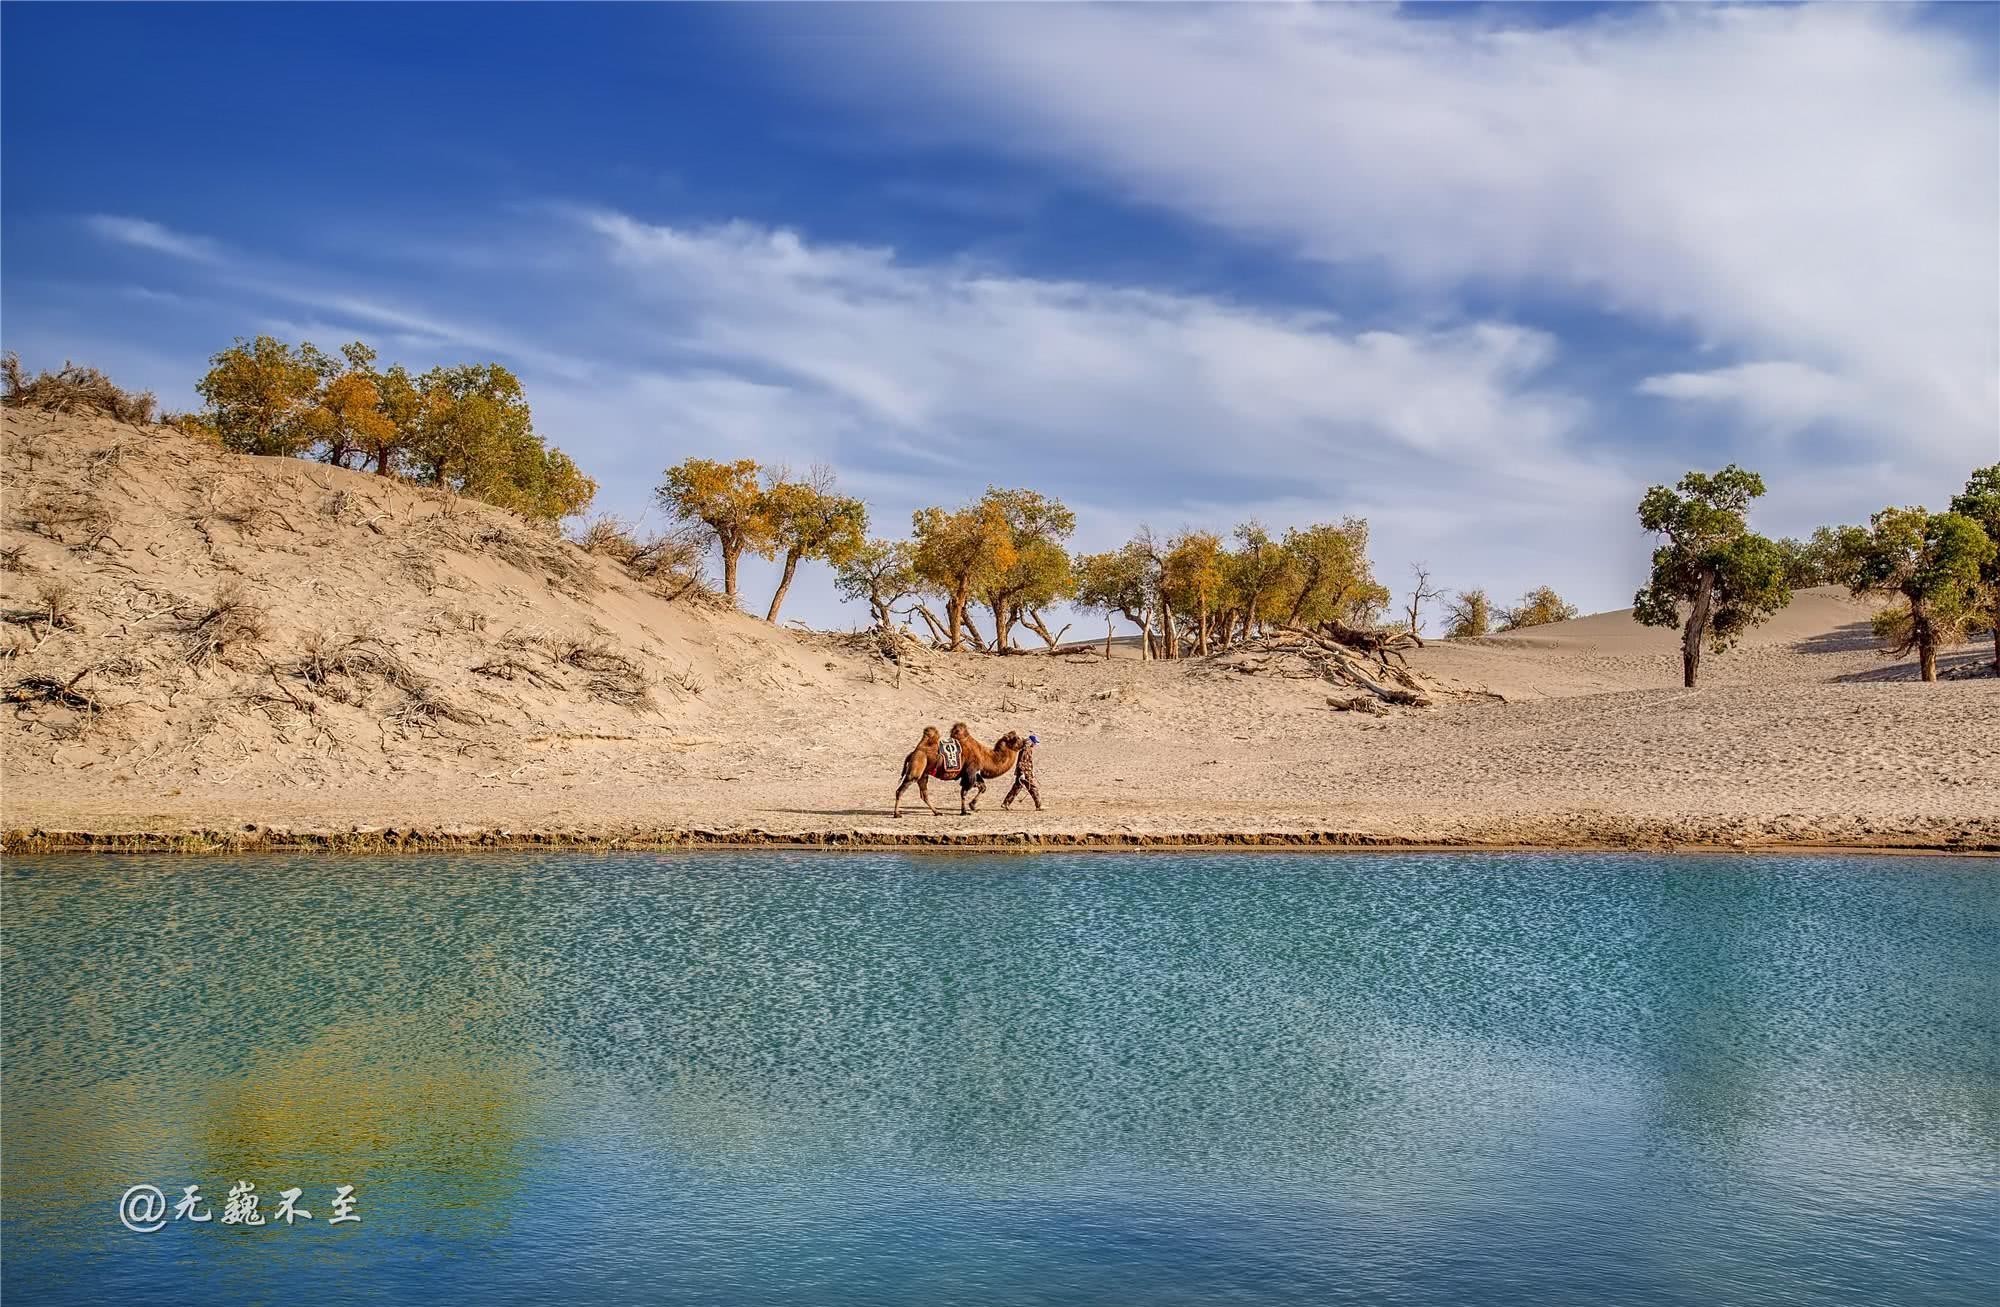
{"points": [[1009, 1080]]}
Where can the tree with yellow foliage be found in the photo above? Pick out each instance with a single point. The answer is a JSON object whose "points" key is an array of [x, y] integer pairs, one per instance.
{"points": [[727, 499], [959, 554], [346, 415], [402, 404], [1329, 577], [259, 394], [473, 434], [1039, 571], [810, 520], [1191, 578]]}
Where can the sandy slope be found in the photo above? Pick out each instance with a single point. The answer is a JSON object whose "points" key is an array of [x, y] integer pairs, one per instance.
{"points": [[493, 658]]}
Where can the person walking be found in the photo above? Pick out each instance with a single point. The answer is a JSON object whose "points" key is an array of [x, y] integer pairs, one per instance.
{"points": [[1024, 776]]}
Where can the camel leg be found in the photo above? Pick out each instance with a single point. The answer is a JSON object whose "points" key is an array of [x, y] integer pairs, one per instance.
{"points": [[924, 792], [975, 785], [898, 810]]}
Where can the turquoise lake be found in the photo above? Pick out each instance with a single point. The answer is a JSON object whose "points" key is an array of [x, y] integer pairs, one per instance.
{"points": [[1057, 1079]]}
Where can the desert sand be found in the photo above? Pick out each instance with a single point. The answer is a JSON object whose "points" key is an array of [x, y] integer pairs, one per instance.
{"points": [[400, 667]]}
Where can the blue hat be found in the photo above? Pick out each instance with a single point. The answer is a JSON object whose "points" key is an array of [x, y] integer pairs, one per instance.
{"points": [[1033, 740]]}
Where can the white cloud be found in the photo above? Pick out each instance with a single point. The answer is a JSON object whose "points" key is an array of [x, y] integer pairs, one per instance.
{"points": [[995, 369], [145, 235], [1816, 184], [1778, 397]]}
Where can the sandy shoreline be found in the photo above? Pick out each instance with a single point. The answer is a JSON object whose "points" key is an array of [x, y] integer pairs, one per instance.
{"points": [[277, 843]]}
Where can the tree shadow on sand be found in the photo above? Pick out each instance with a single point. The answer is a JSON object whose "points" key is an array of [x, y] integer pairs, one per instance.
{"points": [[1854, 637], [1964, 664]]}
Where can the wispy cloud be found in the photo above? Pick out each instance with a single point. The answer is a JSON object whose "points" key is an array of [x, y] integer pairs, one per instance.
{"points": [[142, 234]]}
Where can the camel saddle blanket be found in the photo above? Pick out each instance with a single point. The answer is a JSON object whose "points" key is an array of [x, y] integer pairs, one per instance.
{"points": [[946, 767]]}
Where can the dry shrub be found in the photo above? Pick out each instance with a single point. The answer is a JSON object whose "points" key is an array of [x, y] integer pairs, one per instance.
{"points": [[592, 655], [625, 691], [98, 464], [14, 558], [72, 390], [423, 708], [233, 621], [71, 517], [57, 599], [535, 554], [613, 677], [327, 659], [416, 564], [685, 681], [28, 446], [607, 537], [668, 562], [508, 668], [123, 667]]}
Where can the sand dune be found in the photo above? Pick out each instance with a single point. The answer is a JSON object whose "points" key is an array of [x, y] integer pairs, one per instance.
{"points": [[423, 664]]}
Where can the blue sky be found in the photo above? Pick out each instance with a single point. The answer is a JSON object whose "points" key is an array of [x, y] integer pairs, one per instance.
{"points": [[1480, 273]]}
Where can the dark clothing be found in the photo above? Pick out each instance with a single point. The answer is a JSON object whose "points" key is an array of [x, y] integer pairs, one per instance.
{"points": [[1024, 779]]}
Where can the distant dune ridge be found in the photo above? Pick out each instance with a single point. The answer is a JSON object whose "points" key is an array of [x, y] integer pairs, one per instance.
{"points": [[269, 650]]}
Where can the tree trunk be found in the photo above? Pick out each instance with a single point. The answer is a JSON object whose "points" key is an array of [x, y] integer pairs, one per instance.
{"points": [[970, 630], [1000, 625], [1695, 633], [784, 584], [1201, 630], [954, 618], [1926, 655], [729, 557], [1996, 636], [1169, 640], [1107, 639]]}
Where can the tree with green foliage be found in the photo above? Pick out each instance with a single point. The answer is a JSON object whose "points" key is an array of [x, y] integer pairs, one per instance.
{"points": [[1930, 561], [474, 435], [810, 520], [881, 573], [1980, 502], [1821, 560], [1729, 577], [728, 499], [1539, 607], [1469, 614], [1258, 568], [1120, 582]]}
